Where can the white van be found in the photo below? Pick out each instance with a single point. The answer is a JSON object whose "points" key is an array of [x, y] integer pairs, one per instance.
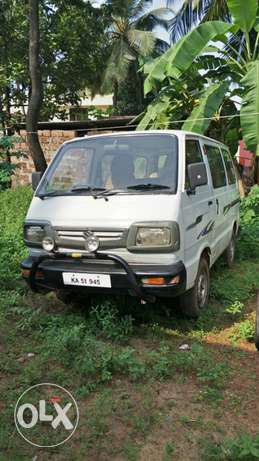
{"points": [[145, 213]]}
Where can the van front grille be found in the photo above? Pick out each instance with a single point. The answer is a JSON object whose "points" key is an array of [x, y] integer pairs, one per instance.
{"points": [[70, 239]]}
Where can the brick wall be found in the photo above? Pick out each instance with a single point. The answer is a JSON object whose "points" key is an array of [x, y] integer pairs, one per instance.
{"points": [[50, 141]]}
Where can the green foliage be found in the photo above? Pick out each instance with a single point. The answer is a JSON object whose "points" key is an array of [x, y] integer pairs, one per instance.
{"points": [[235, 308], [104, 321], [244, 285], [242, 448], [74, 50], [169, 451], [243, 13], [244, 330], [209, 103], [13, 207], [250, 123], [96, 113], [191, 14], [132, 37], [179, 57], [236, 65], [248, 242], [250, 206], [7, 169]]}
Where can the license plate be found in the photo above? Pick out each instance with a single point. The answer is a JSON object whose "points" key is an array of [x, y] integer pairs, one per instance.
{"points": [[87, 280]]}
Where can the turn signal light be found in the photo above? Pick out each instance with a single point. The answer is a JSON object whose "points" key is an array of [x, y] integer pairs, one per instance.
{"points": [[161, 281], [26, 273], [154, 281]]}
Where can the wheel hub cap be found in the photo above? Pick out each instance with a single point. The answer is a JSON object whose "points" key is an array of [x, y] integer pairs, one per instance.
{"points": [[202, 289]]}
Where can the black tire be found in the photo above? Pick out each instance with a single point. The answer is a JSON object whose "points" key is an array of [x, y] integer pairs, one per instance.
{"points": [[257, 323], [230, 252], [194, 301]]}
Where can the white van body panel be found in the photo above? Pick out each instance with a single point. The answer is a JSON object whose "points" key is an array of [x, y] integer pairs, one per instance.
{"points": [[119, 212]]}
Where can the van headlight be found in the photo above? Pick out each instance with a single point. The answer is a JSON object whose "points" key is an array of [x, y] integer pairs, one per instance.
{"points": [[154, 236], [39, 236], [34, 234]]}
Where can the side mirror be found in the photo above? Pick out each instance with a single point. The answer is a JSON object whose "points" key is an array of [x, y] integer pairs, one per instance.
{"points": [[35, 179], [197, 174]]}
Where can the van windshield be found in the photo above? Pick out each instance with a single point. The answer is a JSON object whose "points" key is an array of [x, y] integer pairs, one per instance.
{"points": [[127, 163]]}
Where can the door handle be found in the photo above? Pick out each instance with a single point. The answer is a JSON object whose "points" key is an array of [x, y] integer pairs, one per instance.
{"points": [[217, 203], [210, 202]]}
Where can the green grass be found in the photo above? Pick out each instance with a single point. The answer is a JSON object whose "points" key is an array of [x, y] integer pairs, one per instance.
{"points": [[244, 448], [134, 387]]}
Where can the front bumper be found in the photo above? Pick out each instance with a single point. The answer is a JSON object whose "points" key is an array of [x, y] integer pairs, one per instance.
{"points": [[46, 273]]}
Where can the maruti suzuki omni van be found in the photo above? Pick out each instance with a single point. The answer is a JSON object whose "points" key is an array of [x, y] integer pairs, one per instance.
{"points": [[142, 213]]}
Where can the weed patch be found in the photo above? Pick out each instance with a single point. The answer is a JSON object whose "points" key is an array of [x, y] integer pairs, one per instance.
{"points": [[243, 448]]}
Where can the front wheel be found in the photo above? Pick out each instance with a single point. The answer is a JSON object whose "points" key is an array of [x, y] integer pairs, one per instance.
{"points": [[195, 300], [230, 252]]}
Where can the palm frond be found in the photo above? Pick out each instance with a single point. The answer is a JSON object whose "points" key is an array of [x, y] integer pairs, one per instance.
{"points": [[184, 21], [217, 9], [139, 6], [142, 41], [161, 46], [236, 45], [118, 64], [193, 12], [152, 20], [119, 7]]}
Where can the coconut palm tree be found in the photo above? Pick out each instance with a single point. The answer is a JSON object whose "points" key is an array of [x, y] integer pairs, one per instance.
{"points": [[191, 12], [132, 36]]}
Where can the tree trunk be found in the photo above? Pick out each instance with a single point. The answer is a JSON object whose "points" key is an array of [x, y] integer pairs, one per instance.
{"points": [[115, 94], [36, 88], [139, 86]]}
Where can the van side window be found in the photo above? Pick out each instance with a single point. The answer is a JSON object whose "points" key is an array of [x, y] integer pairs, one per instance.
{"points": [[231, 174], [216, 166], [193, 155]]}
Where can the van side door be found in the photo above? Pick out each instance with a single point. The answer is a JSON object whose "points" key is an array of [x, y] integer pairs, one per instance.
{"points": [[231, 209], [220, 197], [197, 209]]}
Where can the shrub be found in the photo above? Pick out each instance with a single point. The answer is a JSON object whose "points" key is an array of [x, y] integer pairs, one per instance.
{"points": [[248, 242], [105, 322], [7, 150], [13, 207]]}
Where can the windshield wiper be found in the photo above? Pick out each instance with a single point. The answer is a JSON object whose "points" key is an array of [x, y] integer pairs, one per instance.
{"points": [[77, 188], [53, 193], [86, 188], [108, 192], [148, 187]]}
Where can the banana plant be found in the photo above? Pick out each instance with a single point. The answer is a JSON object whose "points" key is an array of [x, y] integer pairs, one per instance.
{"points": [[236, 71]]}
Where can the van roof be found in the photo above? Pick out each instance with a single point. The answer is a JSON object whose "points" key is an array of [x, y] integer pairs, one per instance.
{"points": [[178, 133]]}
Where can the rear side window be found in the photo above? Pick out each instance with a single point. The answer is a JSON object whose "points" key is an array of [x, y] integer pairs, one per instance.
{"points": [[216, 166], [193, 155], [229, 166]]}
